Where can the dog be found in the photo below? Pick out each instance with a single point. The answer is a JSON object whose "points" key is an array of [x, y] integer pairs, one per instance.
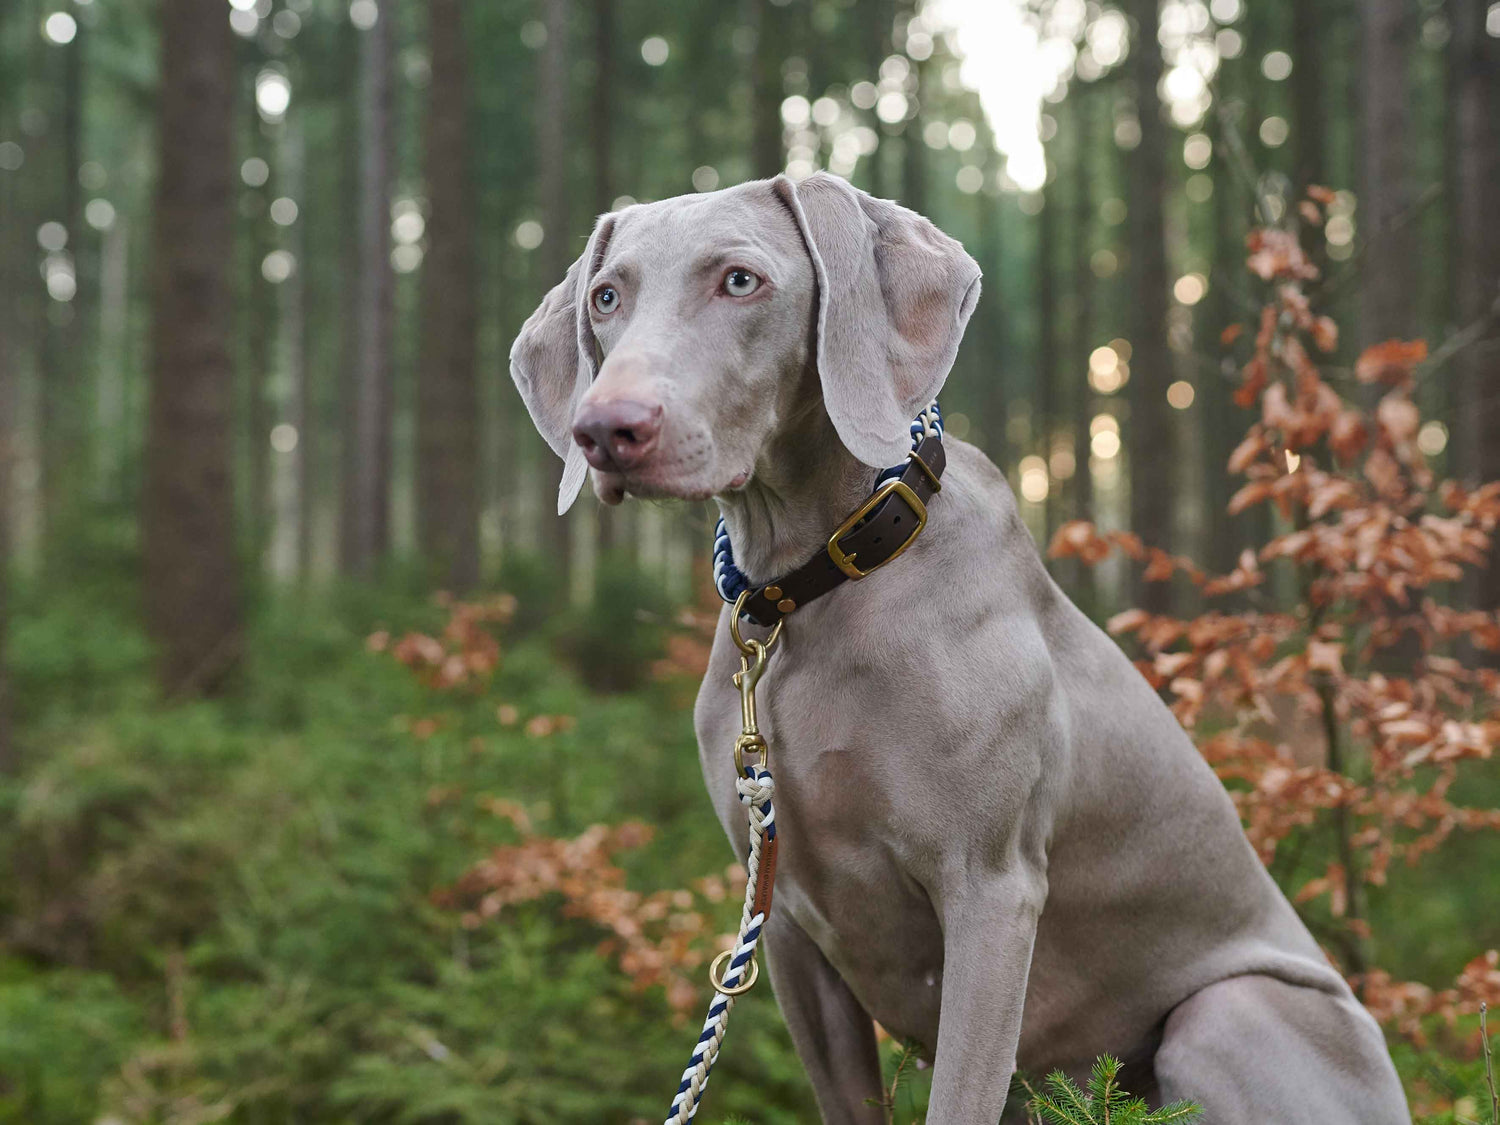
{"points": [[997, 840]]}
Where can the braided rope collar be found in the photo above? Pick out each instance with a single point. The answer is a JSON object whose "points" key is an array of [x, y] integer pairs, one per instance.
{"points": [[907, 486]]}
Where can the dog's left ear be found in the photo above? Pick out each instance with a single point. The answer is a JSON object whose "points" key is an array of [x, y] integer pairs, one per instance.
{"points": [[555, 359], [894, 296]]}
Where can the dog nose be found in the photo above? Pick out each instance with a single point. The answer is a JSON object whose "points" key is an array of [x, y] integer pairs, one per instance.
{"points": [[619, 434]]}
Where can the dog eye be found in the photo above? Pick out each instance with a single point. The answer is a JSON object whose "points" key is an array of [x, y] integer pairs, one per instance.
{"points": [[740, 283], [606, 300]]}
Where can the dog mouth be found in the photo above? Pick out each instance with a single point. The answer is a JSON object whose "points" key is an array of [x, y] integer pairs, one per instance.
{"points": [[612, 487]]}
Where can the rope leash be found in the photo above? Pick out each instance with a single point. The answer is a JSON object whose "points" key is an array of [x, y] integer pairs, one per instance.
{"points": [[755, 792], [755, 786]]}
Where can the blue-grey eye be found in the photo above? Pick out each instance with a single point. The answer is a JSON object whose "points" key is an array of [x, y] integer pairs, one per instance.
{"points": [[606, 300], [740, 283]]}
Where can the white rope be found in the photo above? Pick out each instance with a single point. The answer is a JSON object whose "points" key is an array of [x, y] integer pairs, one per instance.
{"points": [[755, 793]]}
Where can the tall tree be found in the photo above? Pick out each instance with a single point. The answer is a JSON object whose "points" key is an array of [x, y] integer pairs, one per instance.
{"points": [[1385, 278], [603, 125], [1308, 98], [62, 413], [1152, 465], [1048, 368], [1081, 398], [1475, 62], [367, 442], [447, 391], [769, 20], [192, 584], [8, 257], [552, 147]]}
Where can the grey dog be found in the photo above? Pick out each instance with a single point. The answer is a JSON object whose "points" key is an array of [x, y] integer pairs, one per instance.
{"points": [[996, 839]]}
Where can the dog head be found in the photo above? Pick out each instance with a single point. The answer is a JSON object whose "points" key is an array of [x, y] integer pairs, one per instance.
{"points": [[685, 336]]}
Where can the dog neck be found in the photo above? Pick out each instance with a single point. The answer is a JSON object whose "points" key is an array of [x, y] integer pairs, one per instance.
{"points": [[805, 484]]}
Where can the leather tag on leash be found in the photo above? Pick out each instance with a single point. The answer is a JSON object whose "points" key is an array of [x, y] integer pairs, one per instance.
{"points": [[767, 879]]}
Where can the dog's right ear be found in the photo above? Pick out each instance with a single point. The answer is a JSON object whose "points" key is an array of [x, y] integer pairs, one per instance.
{"points": [[555, 359]]}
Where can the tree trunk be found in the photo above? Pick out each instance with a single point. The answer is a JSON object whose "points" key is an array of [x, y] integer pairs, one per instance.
{"points": [[1309, 136], [552, 146], [367, 462], [766, 155], [8, 318], [1048, 373], [995, 398], [1386, 299], [876, 19], [447, 392], [192, 584], [1082, 507], [1476, 202], [63, 412], [1151, 429]]}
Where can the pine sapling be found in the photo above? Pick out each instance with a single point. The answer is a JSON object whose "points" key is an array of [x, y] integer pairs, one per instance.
{"points": [[1103, 1103]]}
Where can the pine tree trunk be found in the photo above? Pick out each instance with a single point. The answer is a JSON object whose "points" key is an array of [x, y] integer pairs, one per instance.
{"points": [[1476, 203], [995, 398], [1048, 373], [1309, 133], [192, 584], [8, 428], [1151, 426], [766, 155], [558, 245], [367, 479], [876, 19], [1082, 485], [1386, 274], [447, 391], [63, 432]]}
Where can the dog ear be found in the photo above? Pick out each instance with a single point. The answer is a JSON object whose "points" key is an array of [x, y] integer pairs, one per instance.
{"points": [[894, 295], [555, 359]]}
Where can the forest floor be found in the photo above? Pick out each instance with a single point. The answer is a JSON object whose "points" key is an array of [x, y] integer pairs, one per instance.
{"points": [[243, 910]]}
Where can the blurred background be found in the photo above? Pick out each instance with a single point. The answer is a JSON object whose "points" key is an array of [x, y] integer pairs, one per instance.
{"points": [[261, 263]]}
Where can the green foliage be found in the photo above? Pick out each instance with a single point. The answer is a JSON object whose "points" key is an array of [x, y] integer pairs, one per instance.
{"points": [[226, 906], [1103, 1103]]}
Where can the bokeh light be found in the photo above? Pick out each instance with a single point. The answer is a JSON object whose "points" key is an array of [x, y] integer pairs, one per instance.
{"points": [[654, 50], [1034, 483], [1180, 395], [59, 28]]}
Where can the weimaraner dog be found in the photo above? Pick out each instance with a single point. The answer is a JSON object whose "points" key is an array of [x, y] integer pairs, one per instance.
{"points": [[995, 838]]}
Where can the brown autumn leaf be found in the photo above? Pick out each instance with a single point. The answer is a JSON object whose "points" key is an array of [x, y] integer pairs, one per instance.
{"points": [[1391, 362]]}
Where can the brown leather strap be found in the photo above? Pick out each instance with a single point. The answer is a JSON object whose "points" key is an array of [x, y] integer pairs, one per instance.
{"points": [[886, 531], [765, 880]]}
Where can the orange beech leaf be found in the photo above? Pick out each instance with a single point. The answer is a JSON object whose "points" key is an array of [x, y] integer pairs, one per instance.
{"points": [[1127, 622], [1391, 362], [1231, 334], [1325, 334]]}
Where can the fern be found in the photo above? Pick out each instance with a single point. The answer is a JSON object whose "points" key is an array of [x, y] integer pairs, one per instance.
{"points": [[1103, 1103]]}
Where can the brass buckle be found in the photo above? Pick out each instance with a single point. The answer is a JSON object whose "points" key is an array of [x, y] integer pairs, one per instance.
{"points": [[897, 487]]}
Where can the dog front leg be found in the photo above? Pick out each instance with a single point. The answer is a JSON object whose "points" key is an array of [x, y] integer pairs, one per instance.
{"points": [[988, 936], [833, 1034]]}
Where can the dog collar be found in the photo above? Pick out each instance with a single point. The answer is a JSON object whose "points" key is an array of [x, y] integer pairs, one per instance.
{"points": [[878, 531]]}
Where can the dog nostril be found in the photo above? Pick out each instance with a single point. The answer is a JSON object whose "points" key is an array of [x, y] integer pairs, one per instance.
{"points": [[627, 436]]}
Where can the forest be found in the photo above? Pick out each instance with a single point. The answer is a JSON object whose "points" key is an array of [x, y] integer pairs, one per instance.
{"points": [[315, 719]]}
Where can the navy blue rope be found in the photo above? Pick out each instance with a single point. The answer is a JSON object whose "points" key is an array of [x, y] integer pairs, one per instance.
{"points": [[730, 580]]}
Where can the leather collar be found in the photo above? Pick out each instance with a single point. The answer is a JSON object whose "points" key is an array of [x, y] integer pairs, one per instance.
{"points": [[881, 528]]}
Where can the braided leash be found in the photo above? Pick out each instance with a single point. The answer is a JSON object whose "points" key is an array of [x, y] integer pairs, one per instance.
{"points": [[754, 785], [755, 789]]}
